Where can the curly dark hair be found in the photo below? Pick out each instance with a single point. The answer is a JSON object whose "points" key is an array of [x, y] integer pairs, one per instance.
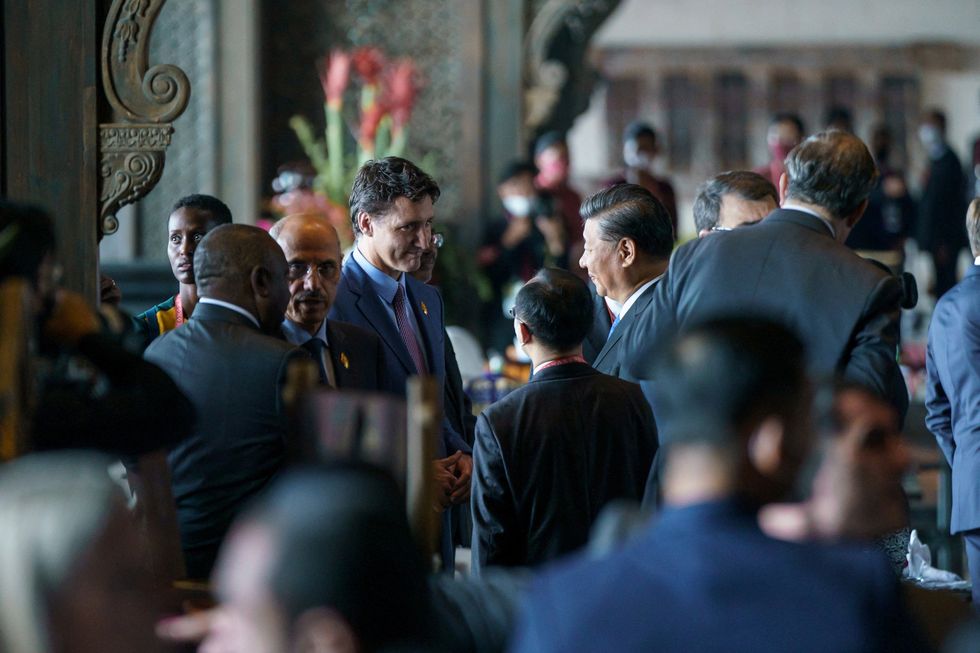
{"points": [[380, 182], [219, 211]]}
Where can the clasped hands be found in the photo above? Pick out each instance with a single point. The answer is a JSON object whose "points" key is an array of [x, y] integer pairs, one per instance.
{"points": [[451, 477]]}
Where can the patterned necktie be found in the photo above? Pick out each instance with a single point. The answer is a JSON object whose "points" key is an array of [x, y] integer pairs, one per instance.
{"points": [[316, 346], [406, 331]]}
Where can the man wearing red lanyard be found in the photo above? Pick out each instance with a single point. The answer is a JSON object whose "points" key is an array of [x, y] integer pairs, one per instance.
{"points": [[550, 455]]}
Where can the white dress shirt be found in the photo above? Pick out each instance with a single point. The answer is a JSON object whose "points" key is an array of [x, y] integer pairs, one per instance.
{"points": [[231, 307]]}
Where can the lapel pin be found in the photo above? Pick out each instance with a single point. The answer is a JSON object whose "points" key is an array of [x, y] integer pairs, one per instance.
{"points": [[344, 360], [425, 309]]}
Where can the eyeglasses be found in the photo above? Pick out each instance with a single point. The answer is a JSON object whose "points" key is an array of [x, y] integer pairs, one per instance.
{"points": [[438, 240], [299, 271]]}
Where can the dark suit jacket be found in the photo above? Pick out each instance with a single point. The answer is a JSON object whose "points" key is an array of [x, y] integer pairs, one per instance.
{"points": [[943, 205], [596, 339], [549, 456], [357, 303], [610, 358], [952, 390], [357, 357], [788, 268], [233, 375], [705, 578]]}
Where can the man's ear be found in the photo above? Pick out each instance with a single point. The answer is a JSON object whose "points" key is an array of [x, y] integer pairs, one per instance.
{"points": [[766, 446], [783, 185], [852, 219], [525, 333], [365, 223], [321, 630], [626, 249], [260, 279]]}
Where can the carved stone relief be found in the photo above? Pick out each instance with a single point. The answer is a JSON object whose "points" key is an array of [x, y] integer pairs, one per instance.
{"points": [[144, 99]]}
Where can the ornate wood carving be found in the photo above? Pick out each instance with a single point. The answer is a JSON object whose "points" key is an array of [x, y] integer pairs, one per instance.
{"points": [[555, 55], [144, 99]]}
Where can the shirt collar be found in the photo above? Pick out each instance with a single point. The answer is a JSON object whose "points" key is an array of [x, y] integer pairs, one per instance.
{"points": [[636, 295], [385, 286], [297, 335], [789, 204], [231, 307]]}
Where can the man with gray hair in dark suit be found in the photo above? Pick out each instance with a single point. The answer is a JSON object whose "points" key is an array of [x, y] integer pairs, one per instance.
{"points": [[226, 360], [794, 267]]}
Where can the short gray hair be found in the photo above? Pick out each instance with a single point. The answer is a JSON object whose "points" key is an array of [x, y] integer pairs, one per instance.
{"points": [[973, 225], [746, 184], [833, 170]]}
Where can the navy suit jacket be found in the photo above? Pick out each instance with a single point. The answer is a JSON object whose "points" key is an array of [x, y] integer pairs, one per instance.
{"points": [[357, 302], [789, 268], [357, 356], [953, 391], [610, 358], [705, 578], [596, 338]]}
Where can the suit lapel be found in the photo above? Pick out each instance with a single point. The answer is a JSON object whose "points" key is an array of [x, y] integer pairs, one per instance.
{"points": [[339, 357], [636, 309], [374, 312]]}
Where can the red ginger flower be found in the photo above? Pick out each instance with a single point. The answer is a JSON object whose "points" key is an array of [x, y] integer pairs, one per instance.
{"points": [[334, 73], [400, 90], [368, 62]]}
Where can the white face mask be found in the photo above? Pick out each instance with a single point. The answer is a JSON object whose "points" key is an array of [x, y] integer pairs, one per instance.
{"points": [[633, 158], [929, 136], [518, 205]]}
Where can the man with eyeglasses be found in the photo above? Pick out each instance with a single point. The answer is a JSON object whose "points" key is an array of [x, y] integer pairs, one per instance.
{"points": [[391, 210], [733, 199], [348, 356]]}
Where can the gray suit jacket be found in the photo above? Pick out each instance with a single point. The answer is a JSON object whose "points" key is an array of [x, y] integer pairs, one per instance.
{"points": [[233, 374], [790, 269]]}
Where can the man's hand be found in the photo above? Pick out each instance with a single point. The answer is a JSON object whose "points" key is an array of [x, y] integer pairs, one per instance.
{"points": [[71, 319], [464, 476], [516, 233], [444, 479]]}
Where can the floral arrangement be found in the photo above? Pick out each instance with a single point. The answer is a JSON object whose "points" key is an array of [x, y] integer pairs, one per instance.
{"points": [[387, 96]]}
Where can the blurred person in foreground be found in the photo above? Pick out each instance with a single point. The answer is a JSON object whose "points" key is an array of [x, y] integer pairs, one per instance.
{"points": [[323, 562], [191, 218], [733, 199], [794, 267], [71, 562], [704, 577], [855, 492], [952, 390], [91, 391], [551, 454]]}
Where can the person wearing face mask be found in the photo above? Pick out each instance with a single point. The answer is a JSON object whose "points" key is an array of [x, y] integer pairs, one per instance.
{"points": [[641, 149], [939, 230], [528, 236], [785, 132], [552, 160]]}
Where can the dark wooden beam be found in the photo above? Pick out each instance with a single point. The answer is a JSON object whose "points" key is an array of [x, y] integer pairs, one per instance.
{"points": [[50, 123]]}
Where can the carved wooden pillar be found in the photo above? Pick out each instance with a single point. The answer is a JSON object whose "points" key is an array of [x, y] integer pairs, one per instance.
{"points": [[144, 99]]}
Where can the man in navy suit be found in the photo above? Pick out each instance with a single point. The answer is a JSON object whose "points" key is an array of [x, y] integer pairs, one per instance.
{"points": [[704, 577], [952, 413], [391, 208], [628, 239], [349, 357]]}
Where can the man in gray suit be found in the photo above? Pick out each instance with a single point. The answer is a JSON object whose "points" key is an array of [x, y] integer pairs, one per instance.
{"points": [[227, 362], [628, 239], [794, 267]]}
